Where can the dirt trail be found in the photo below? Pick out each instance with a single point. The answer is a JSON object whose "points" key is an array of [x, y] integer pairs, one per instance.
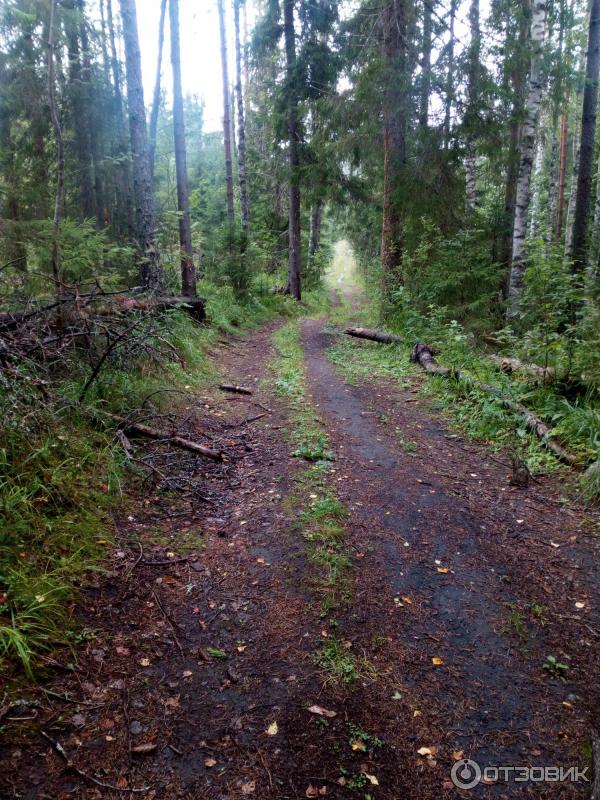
{"points": [[441, 527], [195, 660]]}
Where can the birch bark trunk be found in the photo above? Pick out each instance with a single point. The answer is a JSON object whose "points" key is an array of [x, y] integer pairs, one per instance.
{"points": [[532, 109]]}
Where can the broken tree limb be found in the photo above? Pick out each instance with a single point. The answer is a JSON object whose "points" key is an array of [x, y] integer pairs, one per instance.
{"points": [[423, 355], [509, 365], [161, 436], [226, 387], [373, 335], [195, 306]]}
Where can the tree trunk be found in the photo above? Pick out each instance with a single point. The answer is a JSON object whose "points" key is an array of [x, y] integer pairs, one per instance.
{"points": [[586, 147], [125, 209], [470, 123], [294, 282], [426, 64], [188, 270], [562, 174], [394, 21], [156, 97], [536, 188], [449, 98], [314, 239], [226, 117], [80, 123], [572, 197], [532, 108], [594, 251], [60, 167], [244, 203], [553, 178], [374, 335], [151, 271], [92, 119]]}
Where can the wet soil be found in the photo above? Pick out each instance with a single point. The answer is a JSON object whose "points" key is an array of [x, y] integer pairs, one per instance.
{"points": [[461, 587]]}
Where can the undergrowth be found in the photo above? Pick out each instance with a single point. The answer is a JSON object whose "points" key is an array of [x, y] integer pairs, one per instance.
{"points": [[62, 471]]}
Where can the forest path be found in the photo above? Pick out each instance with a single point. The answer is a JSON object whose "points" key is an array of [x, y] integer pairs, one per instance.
{"points": [[201, 672]]}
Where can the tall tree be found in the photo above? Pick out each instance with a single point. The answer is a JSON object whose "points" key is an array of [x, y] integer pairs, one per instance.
{"points": [[395, 98], [226, 116], [188, 270], [293, 130], [470, 122], [426, 63], [60, 165], [244, 203], [449, 90], [151, 271], [588, 134], [157, 83], [120, 149], [532, 109], [80, 109]]}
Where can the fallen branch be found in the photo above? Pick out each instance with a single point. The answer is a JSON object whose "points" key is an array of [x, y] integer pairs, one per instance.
{"points": [[226, 387], [61, 751], [176, 441], [374, 335], [422, 354], [509, 365]]}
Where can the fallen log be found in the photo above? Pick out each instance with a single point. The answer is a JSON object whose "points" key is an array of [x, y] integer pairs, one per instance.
{"points": [[423, 355], [226, 387], [195, 306], [509, 365], [161, 436], [374, 335]]}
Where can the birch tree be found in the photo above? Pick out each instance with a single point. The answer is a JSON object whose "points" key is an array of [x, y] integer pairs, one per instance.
{"points": [[532, 109], [471, 114]]}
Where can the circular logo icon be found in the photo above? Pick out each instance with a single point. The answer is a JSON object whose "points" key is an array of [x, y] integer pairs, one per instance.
{"points": [[465, 774]]}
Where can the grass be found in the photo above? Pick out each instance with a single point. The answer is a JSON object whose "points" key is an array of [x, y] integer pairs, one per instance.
{"points": [[62, 473], [321, 520]]}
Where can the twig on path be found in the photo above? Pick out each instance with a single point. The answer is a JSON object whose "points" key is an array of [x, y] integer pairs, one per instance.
{"points": [[226, 387], [85, 775], [170, 620]]}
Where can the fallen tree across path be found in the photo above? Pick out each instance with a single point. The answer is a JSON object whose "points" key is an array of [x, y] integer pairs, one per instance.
{"points": [[374, 335], [422, 354]]}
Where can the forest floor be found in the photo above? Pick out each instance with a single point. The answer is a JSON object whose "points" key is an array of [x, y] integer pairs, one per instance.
{"points": [[235, 651]]}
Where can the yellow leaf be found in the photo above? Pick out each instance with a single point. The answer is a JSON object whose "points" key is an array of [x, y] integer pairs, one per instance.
{"points": [[209, 762], [443, 570], [458, 754], [437, 661], [272, 730], [145, 662], [372, 779], [407, 600], [358, 745]]}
